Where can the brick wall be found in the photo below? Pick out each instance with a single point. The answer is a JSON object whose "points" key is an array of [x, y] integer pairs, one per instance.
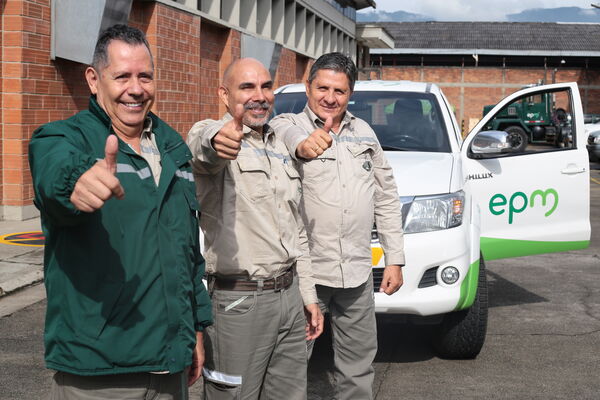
{"points": [[174, 38], [470, 88], [34, 90], [190, 56], [286, 70], [214, 39], [292, 68], [231, 52]]}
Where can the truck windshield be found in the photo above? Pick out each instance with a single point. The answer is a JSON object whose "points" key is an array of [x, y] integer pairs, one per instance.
{"points": [[403, 121]]}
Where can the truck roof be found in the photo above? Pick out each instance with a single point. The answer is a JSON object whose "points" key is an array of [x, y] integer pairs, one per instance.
{"points": [[375, 85]]}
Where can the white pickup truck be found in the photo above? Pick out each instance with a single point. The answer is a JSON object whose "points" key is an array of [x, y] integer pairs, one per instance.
{"points": [[467, 200]]}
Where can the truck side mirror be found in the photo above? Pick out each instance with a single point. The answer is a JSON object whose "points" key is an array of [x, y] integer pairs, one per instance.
{"points": [[488, 144]]}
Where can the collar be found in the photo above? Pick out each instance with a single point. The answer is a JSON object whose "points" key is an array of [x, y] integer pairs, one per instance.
{"points": [[318, 122], [147, 130]]}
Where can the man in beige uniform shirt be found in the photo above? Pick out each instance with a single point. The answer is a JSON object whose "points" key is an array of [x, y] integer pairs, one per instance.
{"points": [[347, 185], [256, 250]]}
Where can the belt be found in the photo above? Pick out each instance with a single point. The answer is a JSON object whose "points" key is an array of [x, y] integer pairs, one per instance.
{"points": [[277, 283]]}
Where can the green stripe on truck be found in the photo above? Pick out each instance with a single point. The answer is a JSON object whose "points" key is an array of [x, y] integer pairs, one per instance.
{"points": [[494, 249], [468, 287]]}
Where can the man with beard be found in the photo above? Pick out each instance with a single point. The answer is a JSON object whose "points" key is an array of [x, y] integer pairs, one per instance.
{"points": [[257, 261]]}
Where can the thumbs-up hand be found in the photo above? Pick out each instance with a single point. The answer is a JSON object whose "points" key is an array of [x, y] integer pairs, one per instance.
{"points": [[318, 141], [99, 183], [228, 141]]}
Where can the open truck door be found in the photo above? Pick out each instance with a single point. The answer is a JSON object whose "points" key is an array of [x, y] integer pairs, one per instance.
{"points": [[535, 199]]}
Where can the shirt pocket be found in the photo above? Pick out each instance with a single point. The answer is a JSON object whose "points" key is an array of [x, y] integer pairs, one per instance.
{"points": [[361, 159], [322, 168], [253, 178], [295, 184]]}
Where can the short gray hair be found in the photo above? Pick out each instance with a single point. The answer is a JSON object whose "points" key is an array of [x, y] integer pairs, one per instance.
{"points": [[124, 33], [336, 62]]}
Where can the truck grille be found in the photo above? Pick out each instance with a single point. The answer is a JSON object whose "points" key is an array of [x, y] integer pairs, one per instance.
{"points": [[429, 278], [377, 278]]}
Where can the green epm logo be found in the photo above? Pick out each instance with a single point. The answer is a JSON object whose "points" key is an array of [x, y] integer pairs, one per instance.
{"points": [[518, 202]]}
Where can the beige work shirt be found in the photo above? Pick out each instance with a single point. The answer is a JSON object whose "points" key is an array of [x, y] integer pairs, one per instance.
{"points": [[345, 190], [149, 150], [250, 218]]}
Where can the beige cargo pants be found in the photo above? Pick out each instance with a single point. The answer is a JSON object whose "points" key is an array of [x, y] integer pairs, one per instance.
{"points": [[135, 386], [256, 348], [354, 338]]}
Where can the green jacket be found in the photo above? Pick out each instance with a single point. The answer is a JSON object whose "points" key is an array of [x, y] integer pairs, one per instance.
{"points": [[124, 283]]}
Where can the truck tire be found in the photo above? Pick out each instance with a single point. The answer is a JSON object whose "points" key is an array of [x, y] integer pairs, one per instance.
{"points": [[519, 136], [461, 334]]}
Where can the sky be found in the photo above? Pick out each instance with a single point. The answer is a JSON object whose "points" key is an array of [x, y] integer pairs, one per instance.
{"points": [[473, 10]]}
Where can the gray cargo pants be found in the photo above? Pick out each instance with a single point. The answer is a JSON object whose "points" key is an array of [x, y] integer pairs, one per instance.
{"points": [[134, 386], [256, 348], [354, 338]]}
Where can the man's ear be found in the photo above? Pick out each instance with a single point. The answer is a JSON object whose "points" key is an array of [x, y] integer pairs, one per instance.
{"points": [[224, 95], [92, 77]]}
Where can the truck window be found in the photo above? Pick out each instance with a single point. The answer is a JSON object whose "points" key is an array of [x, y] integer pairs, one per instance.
{"points": [[538, 122], [402, 121]]}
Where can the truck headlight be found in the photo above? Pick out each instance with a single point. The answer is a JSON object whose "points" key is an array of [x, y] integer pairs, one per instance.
{"points": [[433, 213], [597, 139]]}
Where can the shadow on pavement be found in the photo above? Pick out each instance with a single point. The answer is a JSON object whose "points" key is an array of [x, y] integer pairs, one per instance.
{"points": [[403, 339], [502, 292]]}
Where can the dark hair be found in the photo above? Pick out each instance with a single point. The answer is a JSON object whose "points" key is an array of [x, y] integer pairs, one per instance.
{"points": [[336, 62], [124, 33]]}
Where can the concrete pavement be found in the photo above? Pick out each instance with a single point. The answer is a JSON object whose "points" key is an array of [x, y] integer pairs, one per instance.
{"points": [[20, 266]]}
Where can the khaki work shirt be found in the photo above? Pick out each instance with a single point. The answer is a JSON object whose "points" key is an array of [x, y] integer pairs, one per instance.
{"points": [[149, 150], [345, 190], [250, 218]]}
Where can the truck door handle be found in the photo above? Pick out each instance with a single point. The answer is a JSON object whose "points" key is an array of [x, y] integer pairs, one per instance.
{"points": [[572, 169]]}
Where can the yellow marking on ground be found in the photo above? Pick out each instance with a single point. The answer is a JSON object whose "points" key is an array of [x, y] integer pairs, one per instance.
{"points": [[32, 239], [596, 181], [376, 253]]}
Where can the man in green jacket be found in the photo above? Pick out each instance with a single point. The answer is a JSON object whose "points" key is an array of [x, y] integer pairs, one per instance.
{"points": [[123, 270]]}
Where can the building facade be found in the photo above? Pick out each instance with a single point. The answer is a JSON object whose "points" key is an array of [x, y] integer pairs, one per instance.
{"points": [[45, 45]]}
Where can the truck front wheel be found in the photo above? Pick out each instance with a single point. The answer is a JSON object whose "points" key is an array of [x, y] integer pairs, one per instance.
{"points": [[519, 137], [461, 334]]}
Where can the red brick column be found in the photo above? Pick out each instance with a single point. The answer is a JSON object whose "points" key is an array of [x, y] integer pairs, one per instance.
{"points": [[292, 68], [174, 38], [213, 42], [231, 52], [35, 90]]}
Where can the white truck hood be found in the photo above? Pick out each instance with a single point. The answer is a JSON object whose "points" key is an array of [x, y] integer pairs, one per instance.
{"points": [[421, 173]]}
